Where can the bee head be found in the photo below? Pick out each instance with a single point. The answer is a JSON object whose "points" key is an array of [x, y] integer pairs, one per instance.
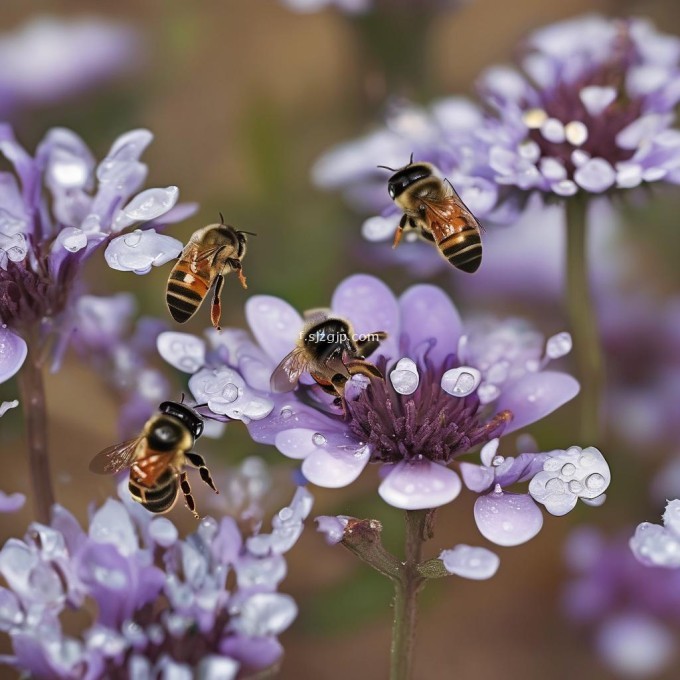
{"points": [[186, 415], [405, 177]]}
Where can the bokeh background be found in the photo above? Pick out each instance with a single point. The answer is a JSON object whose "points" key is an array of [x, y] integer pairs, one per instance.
{"points": [[242, 97]]}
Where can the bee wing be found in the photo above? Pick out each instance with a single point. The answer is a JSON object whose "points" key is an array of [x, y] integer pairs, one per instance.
{"points": [[199, 261], [115, 458], [316, 315], [286, 375], [448, 216]]}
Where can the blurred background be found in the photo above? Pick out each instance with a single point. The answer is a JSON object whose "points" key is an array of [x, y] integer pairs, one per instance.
{"points": [[243, 97]]}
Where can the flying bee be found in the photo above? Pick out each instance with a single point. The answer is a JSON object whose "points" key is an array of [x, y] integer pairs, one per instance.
{"points": [[212, 252], [157, 457], [433, 209], [328, 350]]}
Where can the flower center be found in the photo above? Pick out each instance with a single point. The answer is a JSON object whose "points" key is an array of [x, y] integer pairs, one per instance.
{"points": [[426, 424], [587, 112]]}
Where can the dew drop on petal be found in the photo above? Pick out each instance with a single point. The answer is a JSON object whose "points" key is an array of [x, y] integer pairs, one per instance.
{"points": [[595, 481], [318, 439], [460, 382], [133, 239], [575, 487], [286, 412], [184, 351], [558, 345], [568, 469], [498, 460], [405, 377]]}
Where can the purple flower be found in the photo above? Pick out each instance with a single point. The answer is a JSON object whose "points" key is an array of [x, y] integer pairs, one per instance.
{"points": [[589, 109], [42, 61], [557, 480], [56, 209], [659, 546], [633, 609], [11, 502], [447, 389], [162, 602]]}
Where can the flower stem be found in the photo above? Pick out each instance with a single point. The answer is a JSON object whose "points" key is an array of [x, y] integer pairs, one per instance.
{"points": [[32, 389], [583, 319], [406, 590]]}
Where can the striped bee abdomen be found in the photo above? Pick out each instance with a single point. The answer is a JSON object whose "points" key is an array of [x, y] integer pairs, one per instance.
{"points": [[185, 292], [161, 497], [463, 249]]}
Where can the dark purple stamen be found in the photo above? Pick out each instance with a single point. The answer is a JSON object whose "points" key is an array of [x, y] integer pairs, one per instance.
{"points": [[428, 423]]}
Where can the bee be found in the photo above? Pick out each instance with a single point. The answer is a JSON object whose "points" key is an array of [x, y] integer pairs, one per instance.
{"points": [[433, 208], [157, 457], [328, 350], [212, 252]]}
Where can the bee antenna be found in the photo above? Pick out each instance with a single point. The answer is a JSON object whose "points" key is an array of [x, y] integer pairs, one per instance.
{"points": [[386, 167], [410, 160], [221, 217], [195, 406], [250, 233], [181, 401]]}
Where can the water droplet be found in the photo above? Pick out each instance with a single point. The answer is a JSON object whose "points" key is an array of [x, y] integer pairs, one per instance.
{"points": [[318, 439], [286, 412], [595, 481], [230, 392], [133, 239], [558, 345], [498, 460], [461, 382], [568, 469], [555, 485], [405, 377], [498, 489], [575, 486]]}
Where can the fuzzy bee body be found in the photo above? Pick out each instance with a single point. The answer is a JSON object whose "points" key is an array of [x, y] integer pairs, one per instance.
{"points": [[432, 208], [157, 458], [329, 351], [212, 252]]}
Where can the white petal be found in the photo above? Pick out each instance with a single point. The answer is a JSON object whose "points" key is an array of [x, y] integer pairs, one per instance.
{"points": [[140, 250], [467, 561], [145, 206], [335, 468], [183, 351], [420, 485]]}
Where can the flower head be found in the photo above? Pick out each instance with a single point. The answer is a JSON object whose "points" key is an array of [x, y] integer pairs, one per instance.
{"points": [[162, 602], [56, 209], [589, 109], [444, 392]]}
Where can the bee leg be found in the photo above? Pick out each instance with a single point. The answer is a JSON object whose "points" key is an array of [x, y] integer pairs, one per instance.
{"points": [[372, 342], [400, 230], [189, 499], [216, 309], [197, 461], [238, 268], [358, 367]]}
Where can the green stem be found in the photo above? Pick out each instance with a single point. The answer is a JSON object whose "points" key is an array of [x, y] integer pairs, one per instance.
{"points": [[406, 590], [583, 320], [32, 391]]}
